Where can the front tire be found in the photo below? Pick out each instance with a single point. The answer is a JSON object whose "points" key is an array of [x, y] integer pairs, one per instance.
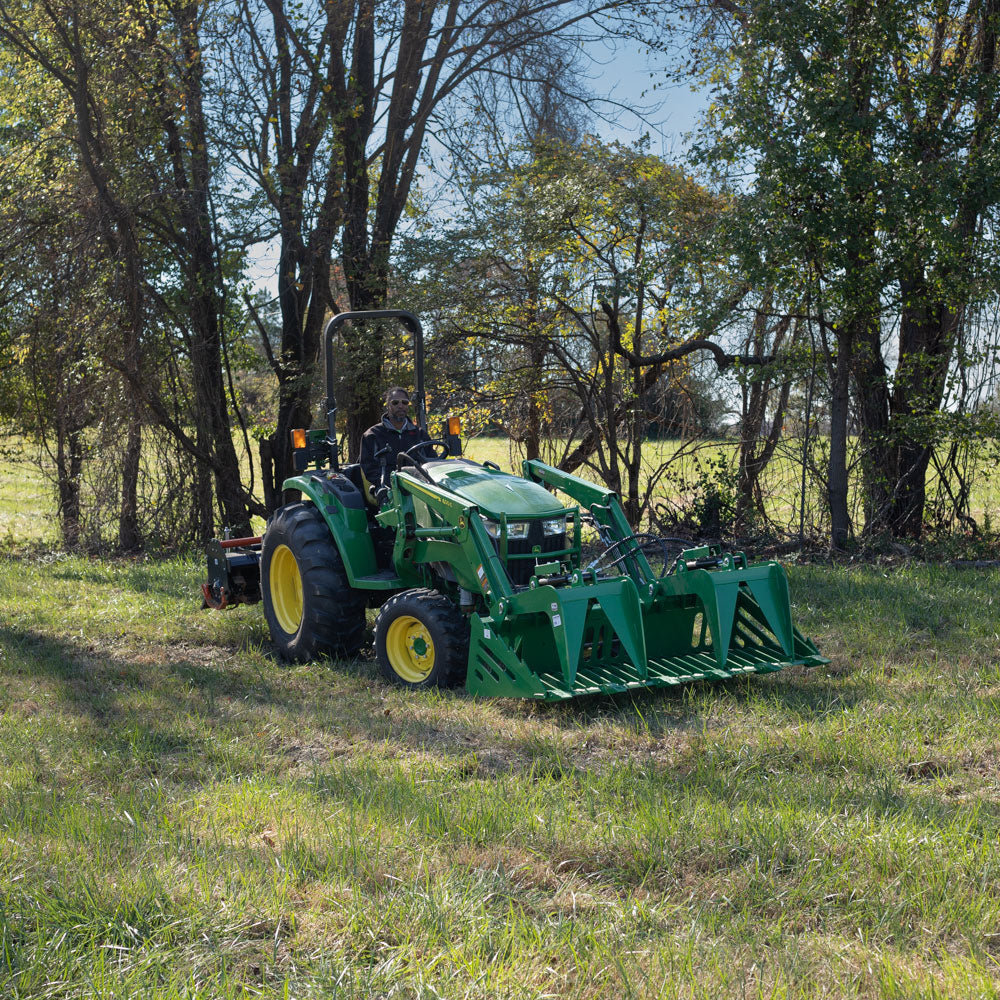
{"points": [[310, 606], [422, 640]]}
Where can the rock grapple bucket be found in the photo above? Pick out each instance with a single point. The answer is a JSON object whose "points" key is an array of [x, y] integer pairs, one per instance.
{"points": [[601, 638], [711, 617]]}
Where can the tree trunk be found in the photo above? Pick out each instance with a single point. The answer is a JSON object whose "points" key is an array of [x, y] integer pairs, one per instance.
{"points": [[69, 464], [836, 478], [276, 451], [129, 536], [878, 458], [303, 299], [754, 456], [533, 430], [367, 283], [926, 341], [204, 281], [210, 405], [204, 508]]}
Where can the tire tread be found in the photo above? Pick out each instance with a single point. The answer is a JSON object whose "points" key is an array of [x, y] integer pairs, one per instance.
{"points": [[333, 619], [436, 611]]}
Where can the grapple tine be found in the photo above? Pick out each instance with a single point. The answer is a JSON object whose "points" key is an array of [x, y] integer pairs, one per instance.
{"points": [[574, 620], [771, 595], [725, 594], [624, 613]]}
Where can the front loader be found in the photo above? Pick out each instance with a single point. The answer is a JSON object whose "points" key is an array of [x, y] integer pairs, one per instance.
{"points": [[481, 577]]}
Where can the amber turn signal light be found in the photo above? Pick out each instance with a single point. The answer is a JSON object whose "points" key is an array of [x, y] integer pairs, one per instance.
{"points": [[454, 426], [299, 437]]}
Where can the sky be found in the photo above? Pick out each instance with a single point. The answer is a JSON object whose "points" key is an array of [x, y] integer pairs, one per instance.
{"points": [[667, 110]]}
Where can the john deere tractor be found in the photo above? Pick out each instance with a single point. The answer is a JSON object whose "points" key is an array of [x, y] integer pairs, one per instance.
{"points": [[480, 577]]}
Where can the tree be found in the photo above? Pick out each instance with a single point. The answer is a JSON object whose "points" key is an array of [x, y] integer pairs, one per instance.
{"points": [[129, 85], [343, 103], [55, 342], [871, 131], [575, 277]]}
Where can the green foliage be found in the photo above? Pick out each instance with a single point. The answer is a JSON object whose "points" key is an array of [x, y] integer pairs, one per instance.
{"points": [[564, 249], [872, 133], [713, 503]]}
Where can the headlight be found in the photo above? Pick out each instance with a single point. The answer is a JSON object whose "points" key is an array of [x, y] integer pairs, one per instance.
{"points": [[515, 529], [557, 526]]}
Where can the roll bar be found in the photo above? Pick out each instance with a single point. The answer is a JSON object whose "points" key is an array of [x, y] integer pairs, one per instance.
{"points": [[413, 325]]}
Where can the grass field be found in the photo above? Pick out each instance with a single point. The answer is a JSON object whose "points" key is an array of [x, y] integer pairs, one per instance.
{"points": [[180, 815], [27, 493]]}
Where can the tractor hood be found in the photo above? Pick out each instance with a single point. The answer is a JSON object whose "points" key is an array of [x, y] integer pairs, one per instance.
{"points": [[492, 491]]}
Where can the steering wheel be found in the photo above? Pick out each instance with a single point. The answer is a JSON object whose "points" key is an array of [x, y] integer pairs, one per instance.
{"points": [[436, 443]]}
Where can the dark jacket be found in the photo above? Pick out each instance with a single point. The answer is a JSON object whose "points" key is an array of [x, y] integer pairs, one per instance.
{"points": [[379, 436]]}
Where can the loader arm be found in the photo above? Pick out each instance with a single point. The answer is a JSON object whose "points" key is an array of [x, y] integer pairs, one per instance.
{"points": [[434, 526], [605, 508]]}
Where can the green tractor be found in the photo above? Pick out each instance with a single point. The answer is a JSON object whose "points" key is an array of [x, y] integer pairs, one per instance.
{"points": [[481, 578]]}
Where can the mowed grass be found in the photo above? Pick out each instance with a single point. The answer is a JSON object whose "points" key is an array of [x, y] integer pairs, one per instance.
{"points": [[181, 815], [27, 497]]}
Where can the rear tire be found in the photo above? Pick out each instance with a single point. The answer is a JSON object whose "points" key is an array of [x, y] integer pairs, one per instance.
{"points": [[310, 606], [422, 640]]}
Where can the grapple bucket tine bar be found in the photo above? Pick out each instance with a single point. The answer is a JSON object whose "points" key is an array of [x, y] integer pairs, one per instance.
{"points": [[773, 599]]}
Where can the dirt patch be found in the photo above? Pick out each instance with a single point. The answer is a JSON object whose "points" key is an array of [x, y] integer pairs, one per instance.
{"points": [[925, 770], [25, 709]]}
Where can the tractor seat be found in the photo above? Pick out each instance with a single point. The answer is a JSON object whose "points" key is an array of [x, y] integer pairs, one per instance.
{"points": [[357, 477], [353, 472]]}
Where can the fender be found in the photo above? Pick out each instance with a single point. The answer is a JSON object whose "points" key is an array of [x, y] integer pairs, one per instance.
{"points": [[343, 509]]}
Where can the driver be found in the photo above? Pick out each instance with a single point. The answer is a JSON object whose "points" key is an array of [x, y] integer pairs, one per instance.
{"points": [[394, 431]]}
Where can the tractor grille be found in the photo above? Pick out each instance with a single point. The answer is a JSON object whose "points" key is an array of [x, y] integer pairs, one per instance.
{"points": [[520, 570]]}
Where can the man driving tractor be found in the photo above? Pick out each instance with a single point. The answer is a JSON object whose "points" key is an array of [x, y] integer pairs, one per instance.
{"points": [[383, 441]]}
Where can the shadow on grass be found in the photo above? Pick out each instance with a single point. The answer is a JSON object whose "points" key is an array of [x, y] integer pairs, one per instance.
{"points": [[137, 694], [146, 708], [174, 720], [142, 709], [166, 579]]}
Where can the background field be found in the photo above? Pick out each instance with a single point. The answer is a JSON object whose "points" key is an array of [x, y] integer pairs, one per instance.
{"points": [[181, 815], [27, 493]]}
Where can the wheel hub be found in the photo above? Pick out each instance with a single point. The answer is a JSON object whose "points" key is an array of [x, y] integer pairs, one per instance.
{"points": [[410, 649], [285, 582]]}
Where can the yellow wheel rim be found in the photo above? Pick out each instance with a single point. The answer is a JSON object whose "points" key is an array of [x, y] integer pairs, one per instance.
{"points": [[285, 583], [410, 649]]}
